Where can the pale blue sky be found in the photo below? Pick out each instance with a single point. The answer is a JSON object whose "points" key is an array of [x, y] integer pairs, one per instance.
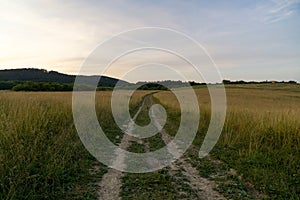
{"points": [[248, 39]]}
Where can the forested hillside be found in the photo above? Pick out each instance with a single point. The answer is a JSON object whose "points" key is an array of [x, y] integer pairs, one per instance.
{"points": [[11, 78]]}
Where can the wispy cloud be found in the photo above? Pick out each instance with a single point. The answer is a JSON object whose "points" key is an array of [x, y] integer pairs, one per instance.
{"points": [[278, 10]]}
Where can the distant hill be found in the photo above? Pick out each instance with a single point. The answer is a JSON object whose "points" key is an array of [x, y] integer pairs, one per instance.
{"points": [[31, 79], [42, 75]]}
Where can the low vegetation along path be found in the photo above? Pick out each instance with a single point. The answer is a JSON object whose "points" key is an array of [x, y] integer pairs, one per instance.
{"points": [[184, 177]]}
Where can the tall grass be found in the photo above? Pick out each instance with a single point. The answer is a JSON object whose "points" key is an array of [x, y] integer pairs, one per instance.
{"points": [[41, 155], [261, 135]]}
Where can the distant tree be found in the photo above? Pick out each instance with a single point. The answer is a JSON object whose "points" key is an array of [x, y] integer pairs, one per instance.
{"points": [[193, 83], [8, 85], [292, 82], [240, 82], [226, 81]]}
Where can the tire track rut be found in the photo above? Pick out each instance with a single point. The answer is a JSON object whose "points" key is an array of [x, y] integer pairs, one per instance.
{"points": [[203, 186], [111, 182]]}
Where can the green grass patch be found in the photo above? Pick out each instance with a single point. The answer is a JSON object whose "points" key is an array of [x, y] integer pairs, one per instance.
{"points": [[155, 142], [155, 185], [136, 147]]}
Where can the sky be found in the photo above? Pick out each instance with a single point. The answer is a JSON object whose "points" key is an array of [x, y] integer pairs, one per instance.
{"points": [[247, 40]]}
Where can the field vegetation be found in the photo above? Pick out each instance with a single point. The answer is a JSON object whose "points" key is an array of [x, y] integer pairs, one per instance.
{"points": [[42, 157], [261, 135]]}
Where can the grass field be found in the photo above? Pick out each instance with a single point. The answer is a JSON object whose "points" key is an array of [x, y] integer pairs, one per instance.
{"points": [[41, 156], [261, 136]]}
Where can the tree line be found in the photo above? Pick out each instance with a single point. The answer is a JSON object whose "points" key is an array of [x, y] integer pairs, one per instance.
{"points": [[30, 79], [42, 86], [256, 82]]}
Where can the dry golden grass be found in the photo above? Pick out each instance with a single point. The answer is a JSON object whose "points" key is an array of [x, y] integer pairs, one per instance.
{"points": [[261, 135], [41, 155]]}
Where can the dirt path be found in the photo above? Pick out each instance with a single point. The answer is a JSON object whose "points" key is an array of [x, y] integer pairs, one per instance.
{"points": [[203, 186], [111, 182]]}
